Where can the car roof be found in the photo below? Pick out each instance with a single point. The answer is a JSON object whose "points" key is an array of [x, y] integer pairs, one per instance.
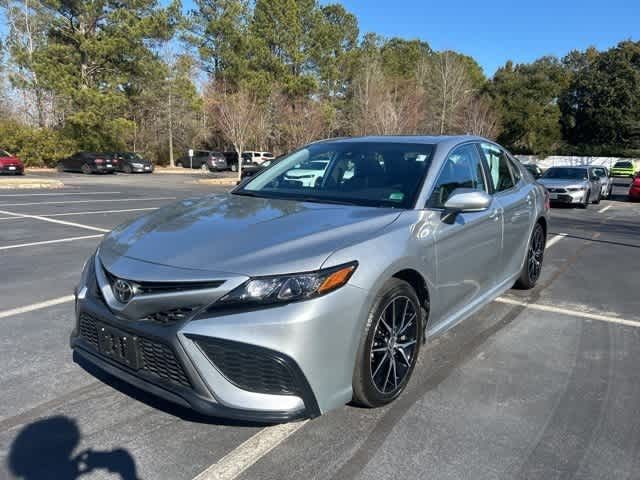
{"points": [[426, 139]]}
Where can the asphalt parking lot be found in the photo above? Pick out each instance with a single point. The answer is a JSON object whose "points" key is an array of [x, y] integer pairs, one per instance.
{"points": [[539, 385]]}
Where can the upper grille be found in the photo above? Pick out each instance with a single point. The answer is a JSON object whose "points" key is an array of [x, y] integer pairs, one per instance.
{"points": [[143, 288], [156, 359], [172, 316], [249, 367]]}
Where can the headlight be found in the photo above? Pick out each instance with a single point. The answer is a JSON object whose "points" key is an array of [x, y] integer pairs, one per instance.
{"points": [[288, 288]]}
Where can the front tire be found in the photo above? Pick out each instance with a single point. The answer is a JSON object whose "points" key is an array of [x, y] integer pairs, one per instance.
{"points": [[127, 169], [532, 267], [585, 201], [390, 345]]}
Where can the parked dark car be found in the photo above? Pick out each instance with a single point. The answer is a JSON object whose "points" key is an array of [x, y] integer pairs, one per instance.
{"points": [[10, 164], [533, 169], [232, 160], [204, 160], [250, 169], [89, 162], [131, 162]]}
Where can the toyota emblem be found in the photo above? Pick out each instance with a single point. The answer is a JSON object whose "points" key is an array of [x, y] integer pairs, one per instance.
{"points": [[123, 290]]}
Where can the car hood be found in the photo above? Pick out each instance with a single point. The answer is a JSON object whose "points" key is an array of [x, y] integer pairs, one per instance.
{"points": [[243, 235], [560, 183]]}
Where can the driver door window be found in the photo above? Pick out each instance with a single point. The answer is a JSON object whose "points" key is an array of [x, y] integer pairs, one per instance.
{"points": [[462, 169]]}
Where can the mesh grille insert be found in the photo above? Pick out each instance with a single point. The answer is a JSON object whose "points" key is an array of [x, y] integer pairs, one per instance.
{"points": [[249, 367], [156, 359]]}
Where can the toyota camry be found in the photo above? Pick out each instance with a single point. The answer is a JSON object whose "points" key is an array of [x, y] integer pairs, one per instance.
{"points": [[310, 295]]}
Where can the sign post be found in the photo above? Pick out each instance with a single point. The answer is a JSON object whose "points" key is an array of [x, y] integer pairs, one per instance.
{"points": [[191, 158]]}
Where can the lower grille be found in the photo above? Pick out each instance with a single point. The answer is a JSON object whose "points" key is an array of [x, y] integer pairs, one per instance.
{"points": [[88, 330], [159, 360], [156, 359], [249, 367]]}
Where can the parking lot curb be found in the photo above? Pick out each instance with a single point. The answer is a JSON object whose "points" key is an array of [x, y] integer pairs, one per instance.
{"points": [[217, 181], [23, 183]]}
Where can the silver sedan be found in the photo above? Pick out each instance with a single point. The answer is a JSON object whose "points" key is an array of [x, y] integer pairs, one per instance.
{"points": [[284, 299]]}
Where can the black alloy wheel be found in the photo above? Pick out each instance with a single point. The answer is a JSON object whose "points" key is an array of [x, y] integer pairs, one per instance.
{"points": [[390, 348], [532, 267]]}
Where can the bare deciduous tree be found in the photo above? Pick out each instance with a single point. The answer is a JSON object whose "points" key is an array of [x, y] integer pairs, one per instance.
{"points": [[234, 114], [450, 89], [480, 118]]}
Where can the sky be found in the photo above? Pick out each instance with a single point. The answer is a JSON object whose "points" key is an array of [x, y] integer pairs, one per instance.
{"points": [[494, 31]]}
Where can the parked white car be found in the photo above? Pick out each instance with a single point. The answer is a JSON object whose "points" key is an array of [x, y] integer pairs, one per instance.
{"points": [[307, 173], [257, 157]]}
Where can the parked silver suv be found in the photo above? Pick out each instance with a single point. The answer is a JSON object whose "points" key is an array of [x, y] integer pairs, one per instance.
{"points": [[307, 296]]}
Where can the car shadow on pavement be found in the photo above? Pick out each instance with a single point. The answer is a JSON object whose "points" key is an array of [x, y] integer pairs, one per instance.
{"points": [[158, 403], [44, 449]]}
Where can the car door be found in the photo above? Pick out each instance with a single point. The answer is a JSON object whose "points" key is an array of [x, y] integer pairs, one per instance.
{"points": [[76, 161], [517, 200], [596, 185], [467, 245]]}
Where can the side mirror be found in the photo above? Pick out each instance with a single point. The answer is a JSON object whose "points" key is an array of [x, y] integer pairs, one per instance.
{"points": [[467, 200]]}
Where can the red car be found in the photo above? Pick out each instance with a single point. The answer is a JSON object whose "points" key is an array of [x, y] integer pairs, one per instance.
{"points": [[634, 190], [10, 164]]}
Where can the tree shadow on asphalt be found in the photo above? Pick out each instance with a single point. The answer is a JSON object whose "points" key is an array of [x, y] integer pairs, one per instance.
{"points": [[44, 449], [158, 403]]}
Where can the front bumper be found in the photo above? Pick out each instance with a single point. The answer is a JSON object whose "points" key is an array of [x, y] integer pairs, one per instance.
{"points": [[634, 193], [269, 365], [568, 197]]}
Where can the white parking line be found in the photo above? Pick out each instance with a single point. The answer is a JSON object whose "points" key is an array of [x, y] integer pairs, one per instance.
{"points": [[47, 242], [555, 239], [246, 454], [569, 312], [54, 194], [51, 220], [36, 306], [602, 210], [138, 199], [90, 212]]}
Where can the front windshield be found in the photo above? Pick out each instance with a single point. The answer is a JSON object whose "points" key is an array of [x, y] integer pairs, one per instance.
{"points": [[132, 156], [566, 173], [4, 153], [379, 174], [623, 165]]}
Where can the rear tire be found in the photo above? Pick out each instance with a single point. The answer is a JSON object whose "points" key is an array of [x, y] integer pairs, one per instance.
{"points": [[86, 169], [59, 167], [234, 167], [390, 345], [179, 165], [532, 267]]}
